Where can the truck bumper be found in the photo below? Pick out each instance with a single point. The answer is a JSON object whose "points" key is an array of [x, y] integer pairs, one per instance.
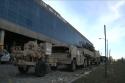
{"points": [[22, 62], [55, 61]]}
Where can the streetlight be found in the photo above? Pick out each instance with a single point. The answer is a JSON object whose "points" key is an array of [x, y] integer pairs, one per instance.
{"points": [[105, 50]]}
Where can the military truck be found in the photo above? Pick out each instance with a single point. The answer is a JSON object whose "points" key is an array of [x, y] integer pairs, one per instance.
{"points": [[32, 54], [70, 55]]}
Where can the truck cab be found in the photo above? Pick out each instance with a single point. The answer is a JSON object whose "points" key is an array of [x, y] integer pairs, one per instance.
{"points": [[66, 55]]}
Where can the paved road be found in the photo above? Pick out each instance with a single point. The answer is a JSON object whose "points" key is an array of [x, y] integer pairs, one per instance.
{"points": [[10, 74]]}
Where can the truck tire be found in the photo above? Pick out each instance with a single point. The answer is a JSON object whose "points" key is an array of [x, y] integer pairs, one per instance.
{"points": [[40, 69], [73, 66], [23, 69]]}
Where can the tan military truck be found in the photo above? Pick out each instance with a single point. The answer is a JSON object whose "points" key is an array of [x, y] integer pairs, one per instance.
{"points": [[32, 55], [69, 55]]}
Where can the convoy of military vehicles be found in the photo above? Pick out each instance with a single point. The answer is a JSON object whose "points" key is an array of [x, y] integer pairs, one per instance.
{"points": [[45, 56]]}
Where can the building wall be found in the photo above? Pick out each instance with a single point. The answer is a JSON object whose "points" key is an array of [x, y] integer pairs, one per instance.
{"points": [[29, 14]]}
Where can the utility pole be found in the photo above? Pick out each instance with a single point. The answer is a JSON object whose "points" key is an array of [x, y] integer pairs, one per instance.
{"points": [[105, 52]]}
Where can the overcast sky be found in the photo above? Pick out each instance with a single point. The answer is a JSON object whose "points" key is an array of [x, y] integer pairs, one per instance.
{"points": [[89, 17]]}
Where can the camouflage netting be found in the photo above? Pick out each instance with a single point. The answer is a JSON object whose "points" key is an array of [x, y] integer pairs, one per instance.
{"points": [[31, 51]]}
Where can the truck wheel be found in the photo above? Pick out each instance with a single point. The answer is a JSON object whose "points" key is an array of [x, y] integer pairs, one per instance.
{"points": [[23, 69], [73, 66], [40, 69]]}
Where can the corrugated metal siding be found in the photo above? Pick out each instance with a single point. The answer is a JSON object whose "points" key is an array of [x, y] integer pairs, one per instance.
{"points": [[29, 14]]}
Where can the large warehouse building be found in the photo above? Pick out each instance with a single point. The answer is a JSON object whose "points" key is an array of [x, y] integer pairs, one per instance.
{"points": [[24, 20]]}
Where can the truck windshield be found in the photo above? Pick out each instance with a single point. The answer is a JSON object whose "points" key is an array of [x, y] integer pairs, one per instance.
{"points": [[60, 50]]}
